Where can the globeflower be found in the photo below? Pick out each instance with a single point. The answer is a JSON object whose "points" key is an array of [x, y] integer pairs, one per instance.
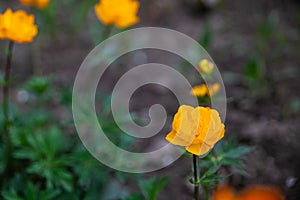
{"points": [[255, 192], [204, 90], [17, 26], [121, 13], [224, 193], [206, 67], [196, 129], [260, 192], [199, 90], [213, 89], [40, 4]]}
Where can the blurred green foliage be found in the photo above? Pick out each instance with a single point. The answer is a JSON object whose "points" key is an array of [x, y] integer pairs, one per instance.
{"points": [[207, 36], [257, 70], [149, 189], [50, 162]]}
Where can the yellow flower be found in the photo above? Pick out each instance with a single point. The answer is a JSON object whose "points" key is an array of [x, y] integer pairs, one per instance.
{"points": [[40, 4], [206, 66], [196, 129], [121, 13], [213, 89], [203, 90], [199, 90], [17, 26]]}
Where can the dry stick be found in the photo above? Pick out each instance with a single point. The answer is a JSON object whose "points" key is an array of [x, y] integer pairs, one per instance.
{"points": [[5, 106], [196, 178]]}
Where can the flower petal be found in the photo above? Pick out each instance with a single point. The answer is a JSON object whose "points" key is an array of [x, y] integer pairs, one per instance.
{"points": [[198, 149]]}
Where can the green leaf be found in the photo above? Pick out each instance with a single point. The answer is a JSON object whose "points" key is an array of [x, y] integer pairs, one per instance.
{"points": [[267, 27], [210, 180], [237, 152], [49, 194], [135, 196], [151, 187], [38, 85], [254, 68], [11, 195], [229, 153], [206, 37], [90, 170], [54, 171]]}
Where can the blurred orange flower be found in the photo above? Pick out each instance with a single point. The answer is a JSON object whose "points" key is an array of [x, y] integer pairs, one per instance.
{"points": [[260, 192], [256, 192], [17, 26], [40, 4], [205, 66], [203, 90], [197, 129], [213, 89], [199, 90], [224, 193], [121, 13]]}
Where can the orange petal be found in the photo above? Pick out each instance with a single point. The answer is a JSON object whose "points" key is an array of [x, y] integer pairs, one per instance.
{"points": [[224, 193], [174, 138], [198, 149], [261, 192]]}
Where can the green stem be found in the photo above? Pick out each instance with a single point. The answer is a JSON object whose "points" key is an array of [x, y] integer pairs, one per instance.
{"points": [[206, 193], [215, 154], [106, 32], [196, 178], [5, 107]]}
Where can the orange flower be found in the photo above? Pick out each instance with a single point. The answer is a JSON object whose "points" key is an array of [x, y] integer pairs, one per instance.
{"points": [[40, 4], [224, 193], [213, 89], [203, 90], [121, 13], [17, 26], [199, 90], [260, 192], [206, 66], [256, 192], [197, 129]]}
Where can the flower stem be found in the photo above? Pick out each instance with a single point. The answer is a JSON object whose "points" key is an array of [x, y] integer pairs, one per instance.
{"points": [[5, 106], [206, 193], [106, 32], [196, 178], [215, 154]]}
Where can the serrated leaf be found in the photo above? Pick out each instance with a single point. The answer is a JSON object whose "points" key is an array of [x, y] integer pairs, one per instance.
{"points": [[10, 195], [151, 187], [237, 152], [211, 180], [135, 196]]}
